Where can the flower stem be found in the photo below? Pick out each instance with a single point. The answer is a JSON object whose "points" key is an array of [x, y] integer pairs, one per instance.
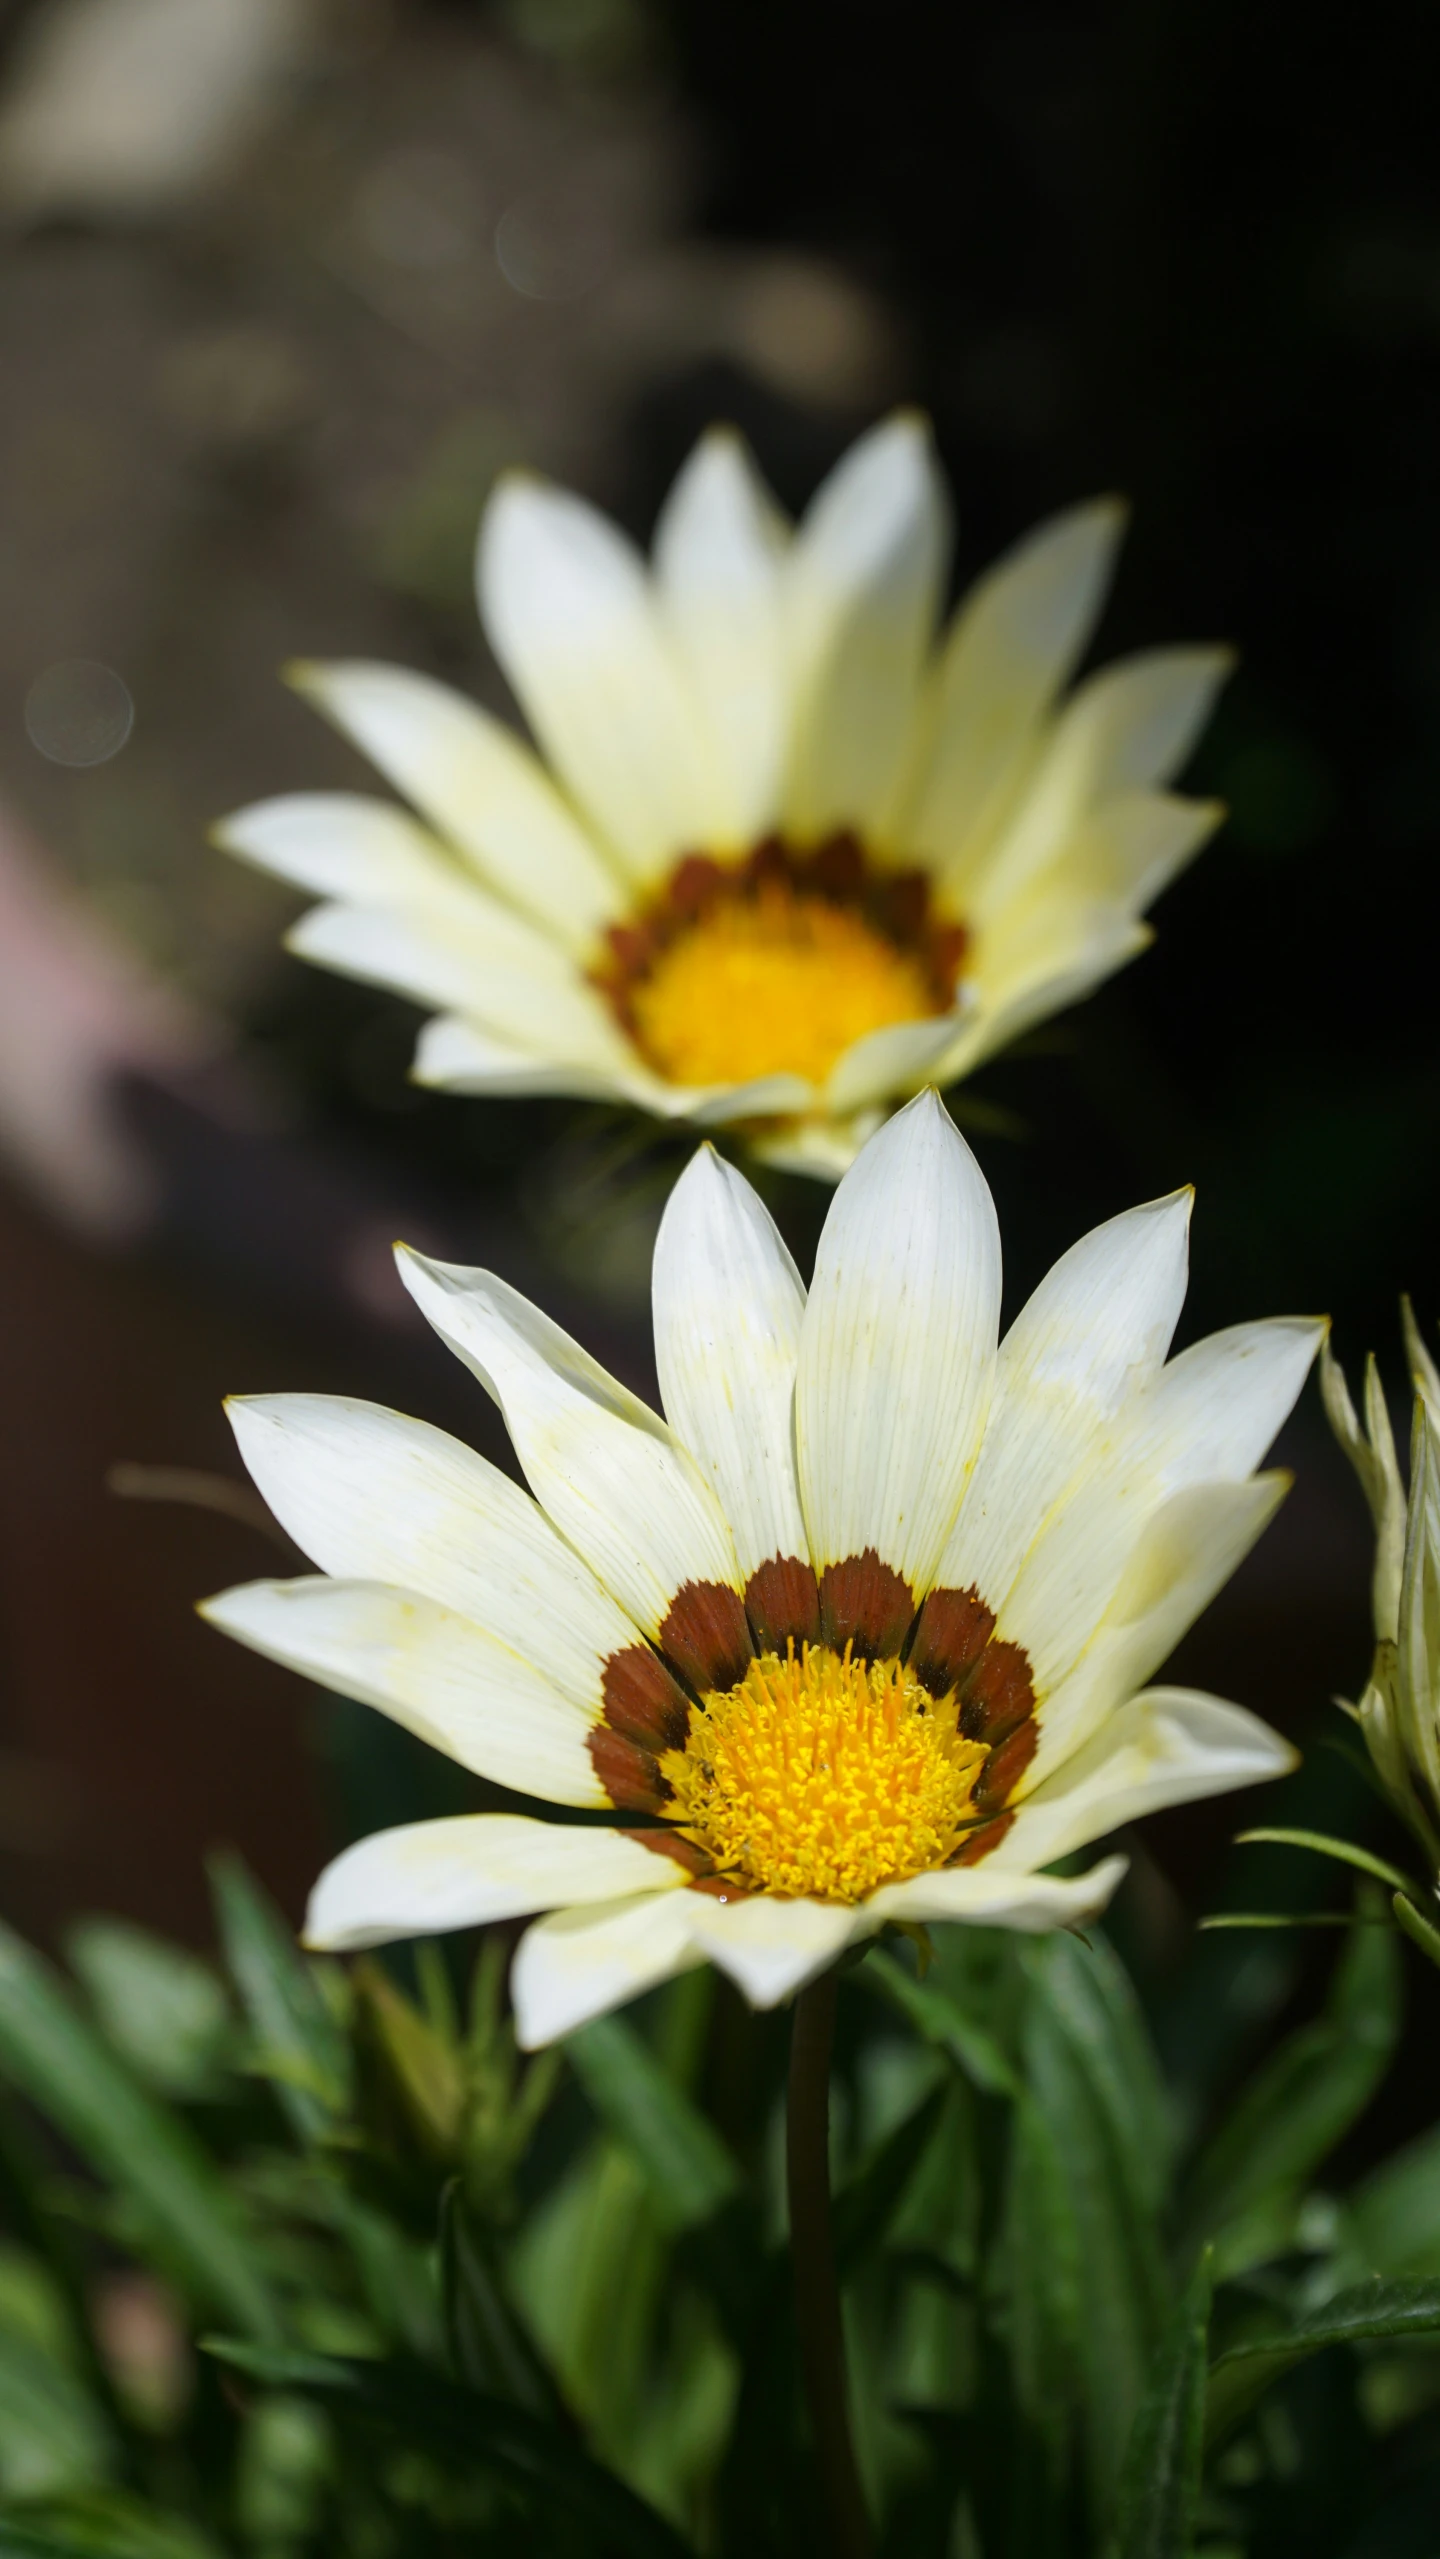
{"points": [[812, 2255]]}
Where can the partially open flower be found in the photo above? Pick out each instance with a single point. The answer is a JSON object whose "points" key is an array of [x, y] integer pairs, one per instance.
{"points": [[856, 1634], [1399, 1713], [789, 862]]}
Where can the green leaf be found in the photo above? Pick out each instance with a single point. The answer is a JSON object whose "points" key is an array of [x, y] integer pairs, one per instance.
{"points": [[163, 2009], [688, 2168], [423, 2069], [488, 2347], [300, 2047], [865, 2208], [1304, 2099], [1241, 2376], [943, 2023], [56, 2059], [1121, 2273], [1344, 1851], [99, 2526], [1041, 2272], [283, 2468], [1091, 1994], [1161, 2483], [1417, 1928], [52, 2435], [1395, 2213], [467, 2431]]}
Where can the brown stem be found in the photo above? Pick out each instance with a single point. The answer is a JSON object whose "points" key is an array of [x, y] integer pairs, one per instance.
{"points": [[812, 2256]]}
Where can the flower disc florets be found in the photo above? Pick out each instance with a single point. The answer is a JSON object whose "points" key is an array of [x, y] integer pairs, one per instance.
{"points": [[777, 964], [824, 1775]]}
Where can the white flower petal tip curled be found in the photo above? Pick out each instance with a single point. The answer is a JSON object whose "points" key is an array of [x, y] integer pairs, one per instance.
{"points": [[783, 850], [861, 1631]]}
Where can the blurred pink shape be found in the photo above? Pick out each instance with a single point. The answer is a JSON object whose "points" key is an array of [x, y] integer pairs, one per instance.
{"points": [[78, 1010]]}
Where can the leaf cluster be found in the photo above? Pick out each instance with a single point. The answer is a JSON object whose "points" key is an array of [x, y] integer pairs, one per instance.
{"points": [[301, 2260]]}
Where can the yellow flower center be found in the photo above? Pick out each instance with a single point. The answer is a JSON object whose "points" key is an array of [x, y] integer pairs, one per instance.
{"points": [[823, 1775], [776, 962], [775, 984]]}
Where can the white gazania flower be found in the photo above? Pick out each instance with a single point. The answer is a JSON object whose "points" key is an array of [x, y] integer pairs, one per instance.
{"points": [[854, 1635], [790, 860]]}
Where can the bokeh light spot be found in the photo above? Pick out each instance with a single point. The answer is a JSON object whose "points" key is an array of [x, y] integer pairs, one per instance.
{"points": [[79, 712]]}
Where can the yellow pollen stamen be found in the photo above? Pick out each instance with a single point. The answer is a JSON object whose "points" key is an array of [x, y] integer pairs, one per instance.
{"points": [[778, 982], [824, 1775]]}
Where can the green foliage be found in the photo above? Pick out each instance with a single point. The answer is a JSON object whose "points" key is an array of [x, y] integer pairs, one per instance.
{"points": [[309, 2262], [1160, 2488]]}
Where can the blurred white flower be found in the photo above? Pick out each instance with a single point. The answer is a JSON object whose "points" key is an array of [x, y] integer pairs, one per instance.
{"points": [[790, 860], [858, 1633]]}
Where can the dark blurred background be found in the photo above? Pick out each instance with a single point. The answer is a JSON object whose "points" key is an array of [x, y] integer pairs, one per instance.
{"points": [[283, 283]]}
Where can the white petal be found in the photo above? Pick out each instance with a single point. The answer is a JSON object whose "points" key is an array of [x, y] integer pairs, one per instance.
{"points": [[347, 846], [989, 1897], [611, 1476], [1209, 1417], [577, 1964], [1134, 845], [463, 1057], [490, 967], [1185, 1553], [1134, 723], [728, 1303], [463, 1872], [1129, 727], [429, 1669], [897, 1354], [823, 1150], [369, 1495], [772, 1948], [458, 1056], [478, 784], [1037, 964], [1215, 1410], [1169, 1746], [718, 549], [1098, 1325], [863, 589], [570, 615], [1014, 644], [890, 1061]]}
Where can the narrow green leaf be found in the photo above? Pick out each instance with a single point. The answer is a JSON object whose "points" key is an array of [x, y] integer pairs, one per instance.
{"points": [[1281, 1919], [1417, 1928], [55, 2058], [1160, 2486], [468, 2432], [1303, 2100], [1344, 1851], [1041, 2267], [1117, 2243], [942, 2023], [163, 2009], [1241, 2377], [300, 2048], [689, 2169], [1091, 1995], [865, 2208], [488, 2347]]}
